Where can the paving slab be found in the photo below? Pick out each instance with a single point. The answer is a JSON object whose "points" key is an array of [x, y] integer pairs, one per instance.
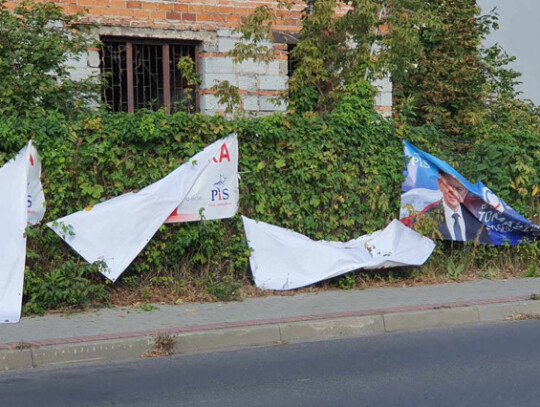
{"points": [[129, 320]]}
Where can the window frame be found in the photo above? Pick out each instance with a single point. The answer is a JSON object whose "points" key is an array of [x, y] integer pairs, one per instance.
{"points": [[165, 49]]}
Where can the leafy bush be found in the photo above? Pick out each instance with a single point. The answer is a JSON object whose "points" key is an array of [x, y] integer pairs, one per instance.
{"points": [[506, 155], [69, 285], [334, 178], [37, 41], [323, 178]]}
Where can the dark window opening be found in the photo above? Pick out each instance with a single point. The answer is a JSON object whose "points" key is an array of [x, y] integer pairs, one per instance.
{"points": [[114, 65], [147, 76], [144, 74], [292, 62]]}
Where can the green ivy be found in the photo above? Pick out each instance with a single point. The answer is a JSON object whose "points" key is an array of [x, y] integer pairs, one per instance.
{"points": [[334, 178]]}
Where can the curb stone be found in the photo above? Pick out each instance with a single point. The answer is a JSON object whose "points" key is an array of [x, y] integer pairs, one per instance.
{"points": [[262, 333]]}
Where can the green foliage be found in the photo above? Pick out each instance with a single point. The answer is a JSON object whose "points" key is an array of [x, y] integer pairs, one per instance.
{"points": [[324, 178], [431, 49], [69, 285], [506, 155], [531, 272], [224, 290], [347, 282], [36, 42], [228, 95], [454, 271], [326, 61], [449, 78], [145, 307], [186, 65], [332, 178]]}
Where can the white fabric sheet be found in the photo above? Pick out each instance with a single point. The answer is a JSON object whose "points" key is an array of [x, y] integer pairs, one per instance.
{"points": [[21, 202], [115, 231], [284, 260]]}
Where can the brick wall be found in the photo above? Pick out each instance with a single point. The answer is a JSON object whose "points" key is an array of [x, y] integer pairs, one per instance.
{"points": [[211, 24], [192, 15]]}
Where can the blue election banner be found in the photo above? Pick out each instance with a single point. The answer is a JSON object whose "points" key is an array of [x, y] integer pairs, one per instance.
{"points": [[462, 211]]}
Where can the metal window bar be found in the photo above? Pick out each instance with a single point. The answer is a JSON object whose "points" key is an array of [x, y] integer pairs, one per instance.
{"points": [[147, 76], [114, 67]]}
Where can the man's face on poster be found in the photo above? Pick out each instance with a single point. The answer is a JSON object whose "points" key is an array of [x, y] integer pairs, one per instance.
{"points": [[454, 192]]}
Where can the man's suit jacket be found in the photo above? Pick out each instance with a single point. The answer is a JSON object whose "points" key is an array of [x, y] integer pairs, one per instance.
{"points": [[473, 227]]}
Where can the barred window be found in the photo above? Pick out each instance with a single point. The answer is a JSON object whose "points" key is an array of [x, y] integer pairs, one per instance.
{"points": [[144, 74]]}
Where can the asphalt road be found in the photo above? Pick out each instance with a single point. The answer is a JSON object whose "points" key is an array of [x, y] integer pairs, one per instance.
{"points": [[481, 365]]}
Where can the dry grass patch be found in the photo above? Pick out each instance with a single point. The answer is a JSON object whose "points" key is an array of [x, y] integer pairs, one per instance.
{"points": [[522, 317], [163, 346]]}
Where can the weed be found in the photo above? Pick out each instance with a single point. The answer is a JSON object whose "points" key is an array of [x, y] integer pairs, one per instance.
{"points": [[163, 346], [454, 271], [224, 290], [347, 282], [162, 281], [148, 307], [522, 317], [535, 297], [22, 345], [531, 271], [490, 274], [130, 281], [146, 293]]}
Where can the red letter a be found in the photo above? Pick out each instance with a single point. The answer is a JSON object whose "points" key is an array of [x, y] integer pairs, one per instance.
{"points": [[223, 154]]}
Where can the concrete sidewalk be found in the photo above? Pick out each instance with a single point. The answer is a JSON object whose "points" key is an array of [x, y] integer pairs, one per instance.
{"points": [[125, 333]]}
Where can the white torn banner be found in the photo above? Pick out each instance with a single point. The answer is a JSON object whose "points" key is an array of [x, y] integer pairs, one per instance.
{"points": [[215, 194], [284, 260], [115, 231], [21, 203]]}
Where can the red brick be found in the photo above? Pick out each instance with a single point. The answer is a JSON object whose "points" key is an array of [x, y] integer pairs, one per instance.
{"points": [[181, 8], [173, 15], [98, 11], [197, 9], [159, 15], [133, 4], [165, 6], [141, 13], [117, 3], [75, 9], [204, 17], [234, 18], [189, 17], [93, 3], [219, 17]]}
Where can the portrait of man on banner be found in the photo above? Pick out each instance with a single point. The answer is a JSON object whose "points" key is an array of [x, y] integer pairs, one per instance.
{"points": [[434, 195], [453, 218]]}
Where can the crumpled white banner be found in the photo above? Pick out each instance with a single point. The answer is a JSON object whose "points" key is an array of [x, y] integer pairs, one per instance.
{"points": [[115, 231], [21, 203], [284, 260], [215, 194]]}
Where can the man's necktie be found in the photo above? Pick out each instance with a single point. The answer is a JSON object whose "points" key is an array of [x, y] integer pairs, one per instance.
{"points": [[457, 229]]}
